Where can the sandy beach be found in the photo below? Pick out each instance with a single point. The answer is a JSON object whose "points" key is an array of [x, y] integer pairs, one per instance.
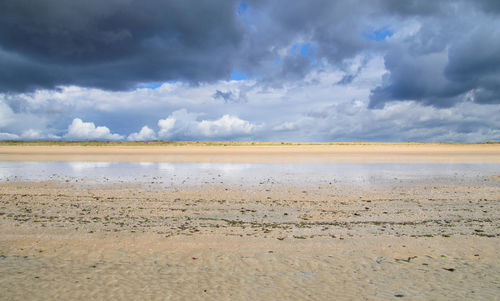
{"points": [[414, 237], [254, 152]]}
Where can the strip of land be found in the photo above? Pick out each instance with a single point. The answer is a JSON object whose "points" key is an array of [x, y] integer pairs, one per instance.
{"points": [[252, 152]]}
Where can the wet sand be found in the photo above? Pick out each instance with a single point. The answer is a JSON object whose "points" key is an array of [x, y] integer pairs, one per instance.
{"points": [[421, 239]]}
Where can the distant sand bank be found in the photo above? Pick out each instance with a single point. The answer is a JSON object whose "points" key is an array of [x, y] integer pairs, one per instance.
{"points": [[259, 153]]}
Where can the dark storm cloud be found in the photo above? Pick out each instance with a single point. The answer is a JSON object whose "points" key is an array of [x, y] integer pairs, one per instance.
{"points": [[332, 30], [452, 56], [489, 6], [114, 44], [416, 78], [475, 62]]}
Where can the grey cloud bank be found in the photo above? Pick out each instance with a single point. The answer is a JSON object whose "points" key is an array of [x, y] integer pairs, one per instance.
{"points": [[254, 70]]}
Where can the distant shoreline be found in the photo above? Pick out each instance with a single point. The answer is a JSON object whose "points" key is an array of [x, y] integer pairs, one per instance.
{"points": [[251, 152], [218, 143]]}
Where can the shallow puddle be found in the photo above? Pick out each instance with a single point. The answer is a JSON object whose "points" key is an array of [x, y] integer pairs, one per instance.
{"points": [[176, 173]]}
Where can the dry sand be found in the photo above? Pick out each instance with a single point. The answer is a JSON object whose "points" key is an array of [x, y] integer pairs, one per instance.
{"points": [[427, 240], [265, 153]]}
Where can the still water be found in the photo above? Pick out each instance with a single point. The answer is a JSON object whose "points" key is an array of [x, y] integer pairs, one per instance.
{"points": [[252, 173]]}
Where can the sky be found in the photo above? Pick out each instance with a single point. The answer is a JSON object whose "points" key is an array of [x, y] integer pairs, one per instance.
{"points": [[281, 70]]}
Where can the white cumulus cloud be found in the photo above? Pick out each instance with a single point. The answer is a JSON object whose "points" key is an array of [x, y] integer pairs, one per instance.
{"points": [[8, 136], [6, 114], [87, 130], [143, 135], [227, 125], [32, 134], [182, 124], [166, 126]]}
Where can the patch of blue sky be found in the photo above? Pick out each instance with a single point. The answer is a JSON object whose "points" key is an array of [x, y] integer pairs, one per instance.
{"points": [[237, 75], [242, 8], [306, 49], [152, 86], [379, 34]]}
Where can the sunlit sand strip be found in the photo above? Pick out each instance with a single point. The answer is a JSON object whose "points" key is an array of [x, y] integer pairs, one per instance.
{"points": [[277, 153]]}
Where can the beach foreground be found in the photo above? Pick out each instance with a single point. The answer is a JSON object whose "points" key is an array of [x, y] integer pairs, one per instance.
{"points": [[423, 238]]}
